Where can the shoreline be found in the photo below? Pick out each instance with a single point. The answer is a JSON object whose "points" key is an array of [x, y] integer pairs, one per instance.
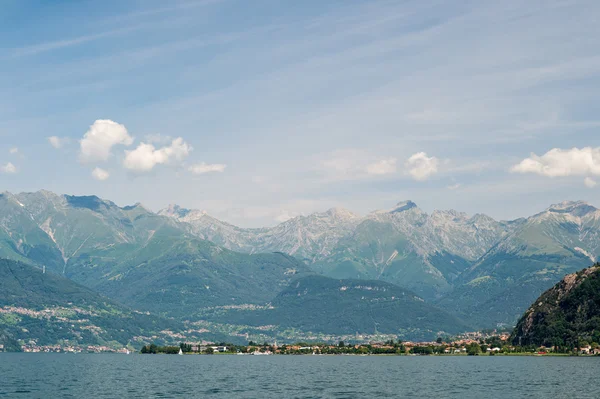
{"points": [[325, 354]]}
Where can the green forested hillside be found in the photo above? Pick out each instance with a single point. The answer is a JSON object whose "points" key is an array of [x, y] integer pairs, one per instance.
{"points": [[568, 314], [331, 306], [195, 274], [46, 309]]}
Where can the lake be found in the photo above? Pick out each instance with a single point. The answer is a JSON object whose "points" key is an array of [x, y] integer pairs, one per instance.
{"points": [[25, 375]]}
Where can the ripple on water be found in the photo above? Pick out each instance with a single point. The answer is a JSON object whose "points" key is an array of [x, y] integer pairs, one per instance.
{"points": [[117, 376]]}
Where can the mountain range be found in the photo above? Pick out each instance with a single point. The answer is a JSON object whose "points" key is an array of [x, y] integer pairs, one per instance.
{"points": [[178, 262], [484, 270]]}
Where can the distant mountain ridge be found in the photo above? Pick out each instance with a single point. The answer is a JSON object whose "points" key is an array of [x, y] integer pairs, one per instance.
{"points": [[485, 270], [134, 255], [403, 245], [539, 252], [176, 260]]}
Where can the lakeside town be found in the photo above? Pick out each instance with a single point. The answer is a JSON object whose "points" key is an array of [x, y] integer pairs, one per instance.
{"points": [[469, 344], [472, 343]]}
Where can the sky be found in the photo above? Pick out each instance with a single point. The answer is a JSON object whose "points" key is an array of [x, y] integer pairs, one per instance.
{"points": [[259, 111]]}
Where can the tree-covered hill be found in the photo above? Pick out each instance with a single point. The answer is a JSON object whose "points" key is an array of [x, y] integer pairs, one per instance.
{"points": [[325, 305], [194, 273], [565, 315]]}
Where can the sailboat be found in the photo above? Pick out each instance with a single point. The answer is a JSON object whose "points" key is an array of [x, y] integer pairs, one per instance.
{"points": [[180, 351]]}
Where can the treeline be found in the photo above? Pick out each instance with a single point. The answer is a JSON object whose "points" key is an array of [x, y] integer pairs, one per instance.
{"points": [[490, 346], [303, 348], [153, 349], [189, 348]]}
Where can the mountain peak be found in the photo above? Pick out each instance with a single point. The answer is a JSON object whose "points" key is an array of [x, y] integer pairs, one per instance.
{"points": [[341, 213], [577, 208], [91, 202], [137, 205], [183, 214], [174, 210], [403, 206]]}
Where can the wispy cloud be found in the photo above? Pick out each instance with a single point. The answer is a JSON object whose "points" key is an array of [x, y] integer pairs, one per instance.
{"points": [[339, 98], [202, 168], [58, 142], [8, 168], [589, 182], [100, 174], [63, 43]]}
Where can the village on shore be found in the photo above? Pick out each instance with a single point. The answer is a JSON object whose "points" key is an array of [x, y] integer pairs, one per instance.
{"points": [[468, 344], [472, 343]]}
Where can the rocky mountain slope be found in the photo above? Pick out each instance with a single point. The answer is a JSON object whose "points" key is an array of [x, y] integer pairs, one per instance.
{"points": [[565, 315], [309, 238], [538, 253], [403, 245]]}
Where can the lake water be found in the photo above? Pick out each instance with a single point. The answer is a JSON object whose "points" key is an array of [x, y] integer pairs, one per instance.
{"points": [[163, 376]]}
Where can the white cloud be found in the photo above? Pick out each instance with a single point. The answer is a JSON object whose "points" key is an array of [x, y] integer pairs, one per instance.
{"points": [[455, 186], [14, 150], [421, 167], [284, 216], [559, 163], [353, 164], [589, 182], [99, 140], [145, 157], [100, 174], [158, 139], [383, 167], [202, 167], [57, 142], [8, 168]]}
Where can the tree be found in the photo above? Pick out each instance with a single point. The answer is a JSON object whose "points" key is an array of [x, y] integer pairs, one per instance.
{"points": [[473, 349], [422, 350], [341, 344], [210, 350], [439, 340]]}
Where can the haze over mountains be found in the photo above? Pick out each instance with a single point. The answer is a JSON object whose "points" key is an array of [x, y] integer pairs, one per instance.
{"points": [[179, 263]]}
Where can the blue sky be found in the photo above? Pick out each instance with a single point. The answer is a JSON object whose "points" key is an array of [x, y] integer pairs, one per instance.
{"points": [[260, 111]]}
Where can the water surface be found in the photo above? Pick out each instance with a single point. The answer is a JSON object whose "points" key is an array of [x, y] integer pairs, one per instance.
{"points": [[24, 375]]}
